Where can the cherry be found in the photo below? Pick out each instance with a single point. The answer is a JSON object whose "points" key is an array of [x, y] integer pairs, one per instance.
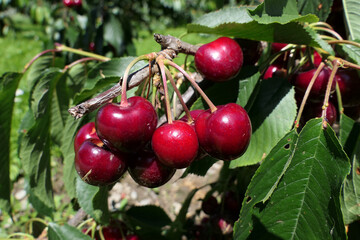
{"points": [[68, 3], [85, 132], [97, 165], [276, 47], [349, 84], [77, 3], [219, 60], [274, 70], [132, 237], [194, 114], [210, 205], [175, 144], [302, 80], [112, 233], [148, 171], [127, 128], [314, 110], [224, 134], [251, 50], [92, 46]]}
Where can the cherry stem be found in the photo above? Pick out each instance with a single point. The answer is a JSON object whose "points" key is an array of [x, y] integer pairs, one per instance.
{"points": [[321, 24], [307, 92], [338, 95], [38, 56], [344, 42], [183, 104], [81, 61], [328, 90], [124, 101], [192, 81], [65, 48], [332, 32], [344, 63], [166, 92]]}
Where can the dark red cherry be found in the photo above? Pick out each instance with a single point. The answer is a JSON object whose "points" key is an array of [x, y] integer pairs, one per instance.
{"points": [[274, 70], [219, 60], [276, 47], [175, 144], [302, 80], [210, 205], [194, 114], [77, 3], [132, 237], [92, 46], [349, 84], [224, 134], [68, 3], [85, 132], [146, 169], [127, 128], [251, 50], [314, 110], [97, 165]]}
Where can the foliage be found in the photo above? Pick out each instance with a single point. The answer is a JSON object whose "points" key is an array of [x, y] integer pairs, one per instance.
{"points": [[292, 183]]}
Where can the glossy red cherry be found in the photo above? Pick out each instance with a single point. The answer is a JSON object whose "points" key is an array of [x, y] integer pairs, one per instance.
{"points": [[274, 70], [276, 47], [349, 84], [302, 80], [146, 170], [194, 114], [224, 134], [175, 144], [85, 132], [219, 60], [314, 110], [68, 3], [77, 3], [127, 128], [97, 165], [210, 205]]}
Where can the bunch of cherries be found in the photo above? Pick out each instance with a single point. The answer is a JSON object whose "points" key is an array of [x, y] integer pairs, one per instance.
{"points": [[347, 79], [125, 135], [72, 3]]}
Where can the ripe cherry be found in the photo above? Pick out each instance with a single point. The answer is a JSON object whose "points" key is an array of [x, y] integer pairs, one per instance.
{"points": [[97, 165], [210, 205], [274, 70], [85, 132], [77, 3], [349, 84], [127, 128], [68, 3], [146, 169], [175, 144], [251, 50], [314, 110], [302, 80], [224, 134], [219, 60], [276, 47]]}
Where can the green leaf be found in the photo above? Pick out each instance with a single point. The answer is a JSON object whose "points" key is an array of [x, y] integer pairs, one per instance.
{"points": [[272, 115], [239, 89], [8, 85], [65, 232], [299, 198], [35, 144], [236, 22], [352, 16], [351, 51], [114, 34], [104, 75], [350, 197], [320, 8], [279, 11], [200, 167], [93, 200]]}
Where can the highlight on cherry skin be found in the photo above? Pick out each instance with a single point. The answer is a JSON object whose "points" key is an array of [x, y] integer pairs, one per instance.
{"points": [[219, 60], [97, 165]]}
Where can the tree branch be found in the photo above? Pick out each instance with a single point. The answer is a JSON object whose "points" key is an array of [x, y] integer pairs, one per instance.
{"points": [[171, 46]]}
